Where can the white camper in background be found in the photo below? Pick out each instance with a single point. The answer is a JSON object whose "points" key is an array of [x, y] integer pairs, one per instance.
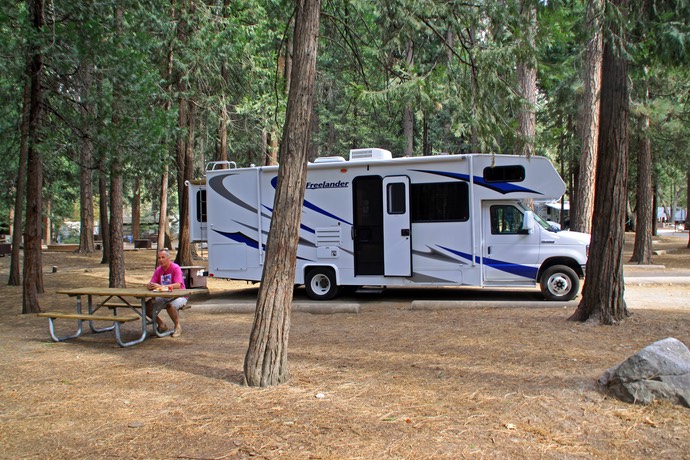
{"points": [[374, 220]]}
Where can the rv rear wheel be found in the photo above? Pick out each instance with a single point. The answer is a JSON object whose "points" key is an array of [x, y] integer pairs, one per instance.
{"points": [[559, 283], [320, 284]]}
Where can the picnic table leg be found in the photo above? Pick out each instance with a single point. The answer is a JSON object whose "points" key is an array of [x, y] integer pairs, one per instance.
{"points": [[51, 326], [118, 328], [53, 335], [154, 322], [95, 329]]}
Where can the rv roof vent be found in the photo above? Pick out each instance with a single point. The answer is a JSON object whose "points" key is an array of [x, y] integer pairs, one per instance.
{"points": [[329, 159], [370, 154]]}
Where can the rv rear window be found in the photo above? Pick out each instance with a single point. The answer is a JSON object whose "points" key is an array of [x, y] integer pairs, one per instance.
{"points": [[439, 202], [201, 206], [514, 173]]}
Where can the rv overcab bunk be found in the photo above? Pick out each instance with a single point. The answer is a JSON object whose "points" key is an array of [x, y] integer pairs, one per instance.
{"points": [[374, 220]]}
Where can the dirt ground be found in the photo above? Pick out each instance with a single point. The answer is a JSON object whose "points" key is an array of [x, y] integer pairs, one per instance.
{"points": [[387, 382]]}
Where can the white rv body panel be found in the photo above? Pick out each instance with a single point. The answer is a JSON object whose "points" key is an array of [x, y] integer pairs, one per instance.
{"points": [[426, 221]]}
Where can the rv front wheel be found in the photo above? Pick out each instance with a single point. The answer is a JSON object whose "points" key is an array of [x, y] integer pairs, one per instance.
{"points": [[560, 283], [320, 284]]}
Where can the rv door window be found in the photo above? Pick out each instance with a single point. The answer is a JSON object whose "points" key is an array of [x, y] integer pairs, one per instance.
{"points": [[514, 173], [396, 198]]}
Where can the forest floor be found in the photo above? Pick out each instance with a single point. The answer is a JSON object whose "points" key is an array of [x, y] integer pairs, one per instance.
{"points": [[387, 382]]}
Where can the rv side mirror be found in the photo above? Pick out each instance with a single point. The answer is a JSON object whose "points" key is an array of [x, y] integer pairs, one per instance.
{"points": [[527, 223]]}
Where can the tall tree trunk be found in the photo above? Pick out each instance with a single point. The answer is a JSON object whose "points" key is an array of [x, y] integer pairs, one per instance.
{"points": [[687, 206], [117, 250], [47, 225], [223, 133], [163, 213], [185, 170], [136, 208], [408, 114], [103, 200], [86, 217], [266, 360], [272, 157], [581, 216], [642, 250], [527, 80], [602, 295], [17, 224], [33, 264]]}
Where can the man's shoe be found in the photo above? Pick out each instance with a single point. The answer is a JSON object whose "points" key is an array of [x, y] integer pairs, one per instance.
{"points": [[178, 331], [163, 328]]}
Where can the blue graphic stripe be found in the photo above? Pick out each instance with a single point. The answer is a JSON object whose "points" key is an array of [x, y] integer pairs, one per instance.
{"points": [[508, 267], [241, 238], [501, 187], [251, 242]]}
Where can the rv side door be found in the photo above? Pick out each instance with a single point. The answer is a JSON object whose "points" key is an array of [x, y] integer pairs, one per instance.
{"points": [[397, 239]]}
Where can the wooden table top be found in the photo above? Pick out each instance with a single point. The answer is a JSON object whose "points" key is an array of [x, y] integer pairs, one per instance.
{"points": [[138, 292]]}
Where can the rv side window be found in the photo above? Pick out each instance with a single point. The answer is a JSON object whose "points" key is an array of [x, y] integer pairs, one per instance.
{"points": [[504, 174], [201, 206], [439, 202], [506, 220], [396, 198]]}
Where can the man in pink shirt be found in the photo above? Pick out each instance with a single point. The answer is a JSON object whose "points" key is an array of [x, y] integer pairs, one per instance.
{"points": [[167, 276]]}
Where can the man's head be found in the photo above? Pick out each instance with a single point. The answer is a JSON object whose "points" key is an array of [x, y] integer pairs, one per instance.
{"points": [[164, 258]]}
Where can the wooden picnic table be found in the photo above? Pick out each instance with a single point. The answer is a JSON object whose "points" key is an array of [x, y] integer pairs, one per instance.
{"points": [[131, 300]]}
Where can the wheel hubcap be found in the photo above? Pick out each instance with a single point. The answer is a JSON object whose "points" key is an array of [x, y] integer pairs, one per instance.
{"points": [[320, 284], [559, 284]]}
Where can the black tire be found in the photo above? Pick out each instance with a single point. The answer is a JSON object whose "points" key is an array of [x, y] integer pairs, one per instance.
{"points": [[559, 283], [320, 284]]}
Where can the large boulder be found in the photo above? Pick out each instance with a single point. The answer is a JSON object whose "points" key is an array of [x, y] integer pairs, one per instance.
{"points": [[658, 371]]}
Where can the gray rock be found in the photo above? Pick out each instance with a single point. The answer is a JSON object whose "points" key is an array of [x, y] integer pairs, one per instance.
{"points": [[658, 371]]}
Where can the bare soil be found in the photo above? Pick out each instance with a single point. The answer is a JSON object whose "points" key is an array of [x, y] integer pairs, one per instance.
{"points": [[388, 382]]}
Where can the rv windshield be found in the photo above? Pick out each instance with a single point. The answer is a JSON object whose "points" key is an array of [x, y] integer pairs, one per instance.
{"points": [[540, 220]]}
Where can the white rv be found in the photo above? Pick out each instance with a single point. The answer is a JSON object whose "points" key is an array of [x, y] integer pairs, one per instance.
{"points": [[374, 220]]}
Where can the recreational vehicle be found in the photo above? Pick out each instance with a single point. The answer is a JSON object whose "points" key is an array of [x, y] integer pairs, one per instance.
{"points": [[374, 220]]}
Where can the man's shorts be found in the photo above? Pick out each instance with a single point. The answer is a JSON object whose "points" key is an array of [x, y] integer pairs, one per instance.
{"points": [[165, 302]]}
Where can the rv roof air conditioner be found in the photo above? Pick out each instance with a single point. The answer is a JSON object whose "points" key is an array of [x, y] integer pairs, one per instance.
{"points": [[370, 154], [333, 159]]}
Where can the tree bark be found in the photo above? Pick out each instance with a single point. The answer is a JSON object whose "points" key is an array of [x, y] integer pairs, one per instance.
{"points": [[602, 295], [17, 224], [185, 170], [266, 359], [136, 209], [687, 206], [408, 114], [163, 212], [104, 221], [581, 217], [86, 218], [33, 265], [642, 250], [117, 250], [527, 79]]}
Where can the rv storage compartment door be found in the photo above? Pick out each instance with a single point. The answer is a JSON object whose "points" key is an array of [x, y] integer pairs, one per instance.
{"points": [[397, 240]]}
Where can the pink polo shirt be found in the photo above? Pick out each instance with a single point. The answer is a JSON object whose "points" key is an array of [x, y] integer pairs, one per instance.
{"points": [[170, 276]]}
